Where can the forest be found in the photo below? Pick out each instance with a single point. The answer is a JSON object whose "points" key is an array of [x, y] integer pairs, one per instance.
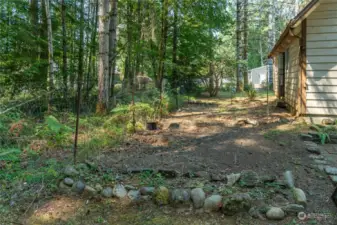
{"points": [[109, 106]]}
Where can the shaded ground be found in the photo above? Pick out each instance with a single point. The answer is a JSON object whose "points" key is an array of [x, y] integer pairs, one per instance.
{"points": [[211, 137]]}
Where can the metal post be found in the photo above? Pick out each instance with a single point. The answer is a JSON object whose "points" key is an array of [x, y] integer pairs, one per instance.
{"points": [[77, 119]]}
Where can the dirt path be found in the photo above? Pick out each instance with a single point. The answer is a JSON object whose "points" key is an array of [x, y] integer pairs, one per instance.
{"points": [[212, 137]]}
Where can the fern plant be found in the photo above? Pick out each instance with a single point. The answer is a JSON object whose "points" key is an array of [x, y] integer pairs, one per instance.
{"points": [[323, 133]]}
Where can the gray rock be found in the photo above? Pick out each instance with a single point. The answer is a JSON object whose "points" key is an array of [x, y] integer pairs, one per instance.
{"points": [[119, 191], [64, 188], [275, 213], [321, 162], [167, 173], [268, 178], [79, 187], [68, 181], [70, 171], [90, 191], [333, 179], [331, 170], [319, 157], [233, 178], [180, 197], [202, 174], [217, 177], [107, 192], [312, 147], [130, 187], [306, 137], [256, 213], [174, 126], [293, 208], [147, 190], [252, 122], [299, 196], [235, 203], [98, 187], [320, 167], [134, 195], [279, 201], [328, 122], [213, 203], [249, 179], [198, 197]]}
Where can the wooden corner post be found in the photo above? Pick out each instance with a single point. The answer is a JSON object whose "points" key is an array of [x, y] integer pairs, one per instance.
{"points": [[303, 65]]}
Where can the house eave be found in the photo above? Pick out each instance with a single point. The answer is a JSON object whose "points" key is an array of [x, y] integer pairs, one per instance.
{"points": [[288, 34]]}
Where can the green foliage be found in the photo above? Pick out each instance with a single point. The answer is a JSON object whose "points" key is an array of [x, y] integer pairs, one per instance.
{"points": [[323, 132], [251, 92], [9, 155], [272, 134], [151, 179], [56, 133], [131, 129]]}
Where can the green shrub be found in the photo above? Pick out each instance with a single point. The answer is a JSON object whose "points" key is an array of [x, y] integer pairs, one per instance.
{"points": [[138, 127], [251, 92], [56, 133]]}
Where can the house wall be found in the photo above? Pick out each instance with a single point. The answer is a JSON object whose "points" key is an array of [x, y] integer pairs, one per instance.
{"points": [[322, 60], [292, 73], [275, 75]]}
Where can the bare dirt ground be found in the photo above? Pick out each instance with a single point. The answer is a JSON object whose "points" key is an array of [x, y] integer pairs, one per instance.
{"points": [[211, 137]]}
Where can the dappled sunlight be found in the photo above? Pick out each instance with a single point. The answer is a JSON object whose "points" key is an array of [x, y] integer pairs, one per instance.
{"points": [[59, 209]]}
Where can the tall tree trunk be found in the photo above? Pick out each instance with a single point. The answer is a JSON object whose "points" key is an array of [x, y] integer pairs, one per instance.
{"points": [[112, 44], [50, 53], [162, 46], [139, 44], [64, 49], [34, 19], [128, 76], [80, 51], [43, 51], [162, 51], [92, 63], [174, 53], [245, 43], [238, 47], [103, 57]]}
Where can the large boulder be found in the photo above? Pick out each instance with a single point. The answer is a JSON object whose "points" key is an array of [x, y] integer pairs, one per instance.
{"points": [[107, 192], [293, 209], [134, 195], [79, 187], [236, 203], [70, 171], [68, 181], [180, 197], [275, 213], [161, 196], [119, 191], [299, 196], [198, 197], [233, 178], [147, 190], [213, 203]]}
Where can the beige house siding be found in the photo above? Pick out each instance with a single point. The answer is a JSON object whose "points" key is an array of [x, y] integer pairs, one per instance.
{"points": [[275, 75], [322, 59], [292, 74]]}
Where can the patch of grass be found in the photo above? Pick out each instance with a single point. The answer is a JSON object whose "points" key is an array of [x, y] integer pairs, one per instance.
{"points": [[151, 179], [272, 134]]}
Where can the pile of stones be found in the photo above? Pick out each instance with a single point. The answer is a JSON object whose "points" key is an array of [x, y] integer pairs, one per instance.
{"points": [[195, 198]]}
